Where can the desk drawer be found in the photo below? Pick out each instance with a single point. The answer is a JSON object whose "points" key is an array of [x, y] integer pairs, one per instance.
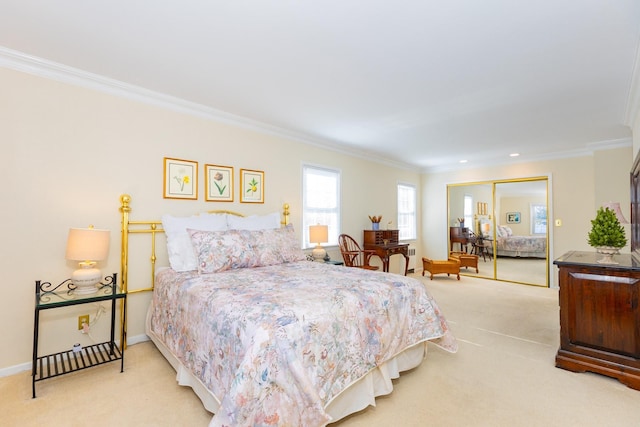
{"points": [[398, 250]]}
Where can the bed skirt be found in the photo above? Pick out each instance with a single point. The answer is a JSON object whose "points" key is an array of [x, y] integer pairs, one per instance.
{"points": [[518, 254], [356, 397]]}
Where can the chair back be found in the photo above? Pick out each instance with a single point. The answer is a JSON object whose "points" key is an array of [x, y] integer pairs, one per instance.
{"points": [[352, 254], [350, 250]]}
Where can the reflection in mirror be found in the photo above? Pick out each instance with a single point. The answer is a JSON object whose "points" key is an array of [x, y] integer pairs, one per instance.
{"points": [[504, 217], [473, 204], [521, 232]]}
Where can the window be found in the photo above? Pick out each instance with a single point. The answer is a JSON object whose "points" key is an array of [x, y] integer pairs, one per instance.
{"points": [[320, 201], [538, 219], [468, 211], [407, 212]]}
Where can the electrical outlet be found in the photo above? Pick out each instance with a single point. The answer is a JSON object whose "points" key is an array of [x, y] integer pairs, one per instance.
{"points": [[82, 319]]}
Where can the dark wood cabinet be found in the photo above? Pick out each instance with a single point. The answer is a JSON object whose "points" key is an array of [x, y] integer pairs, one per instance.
{"points": [[378, 237], [599, 316]]}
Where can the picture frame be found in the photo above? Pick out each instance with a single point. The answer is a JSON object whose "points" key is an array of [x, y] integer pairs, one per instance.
{"points": [[218, 183], [180, 179], [251, 186], [513, 217]]}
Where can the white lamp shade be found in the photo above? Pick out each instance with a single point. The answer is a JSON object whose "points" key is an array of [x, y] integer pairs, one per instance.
{"points": [[615, 207], [318, 234], [87, 244]]}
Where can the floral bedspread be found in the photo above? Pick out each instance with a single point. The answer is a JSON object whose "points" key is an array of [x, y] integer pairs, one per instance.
{"points": [[276, 344], [523, 244]]}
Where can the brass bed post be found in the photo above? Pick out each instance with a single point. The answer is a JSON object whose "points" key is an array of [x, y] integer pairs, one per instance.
{"points": [[285, 214], [134, 227], [125, 199]]}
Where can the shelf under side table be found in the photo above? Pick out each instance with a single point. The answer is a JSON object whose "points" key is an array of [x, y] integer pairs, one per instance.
{"points": [[65, 362]]}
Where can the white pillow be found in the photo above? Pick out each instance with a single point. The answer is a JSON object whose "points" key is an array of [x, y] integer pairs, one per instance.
{"points": [[179, 248], [254, 222]]}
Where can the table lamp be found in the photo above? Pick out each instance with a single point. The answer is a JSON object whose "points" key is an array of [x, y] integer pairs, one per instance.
{"points": [[318, 234], [615, 207], [87, 245]]}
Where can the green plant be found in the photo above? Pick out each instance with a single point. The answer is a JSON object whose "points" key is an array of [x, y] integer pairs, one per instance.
{"points": [[606, 230], [252, 186]]}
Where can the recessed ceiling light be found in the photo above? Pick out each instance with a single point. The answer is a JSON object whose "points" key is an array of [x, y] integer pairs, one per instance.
{"points": [[463, 161], [514, 154]]}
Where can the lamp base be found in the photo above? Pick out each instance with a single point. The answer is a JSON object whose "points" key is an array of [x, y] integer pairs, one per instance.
{"points": [[318, 253], [85, 280]]}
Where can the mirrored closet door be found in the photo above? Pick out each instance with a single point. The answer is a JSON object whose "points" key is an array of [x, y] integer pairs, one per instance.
{"points": [[505, 224]]}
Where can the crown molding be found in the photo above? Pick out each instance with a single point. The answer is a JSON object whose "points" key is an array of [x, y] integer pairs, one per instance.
{"points": [[582, 152], [611, 144], [20, 61]]}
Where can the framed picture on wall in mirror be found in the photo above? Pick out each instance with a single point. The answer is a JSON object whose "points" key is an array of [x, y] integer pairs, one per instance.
{"points": [[513, 217]]}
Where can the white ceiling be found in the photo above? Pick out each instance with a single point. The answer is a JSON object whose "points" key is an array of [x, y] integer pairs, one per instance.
{"points": [[421, 83]]}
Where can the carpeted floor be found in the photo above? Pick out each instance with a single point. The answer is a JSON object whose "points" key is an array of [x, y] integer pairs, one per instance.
{"points": [[503, 375], [522, 270]]}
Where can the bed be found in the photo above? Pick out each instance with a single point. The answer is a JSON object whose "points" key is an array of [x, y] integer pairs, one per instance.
{"points": [[509, 245], [265, 337]]}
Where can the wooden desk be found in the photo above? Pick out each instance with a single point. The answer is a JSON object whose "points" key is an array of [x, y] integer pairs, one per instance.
{"points": [[385, 244], [459, 235]]}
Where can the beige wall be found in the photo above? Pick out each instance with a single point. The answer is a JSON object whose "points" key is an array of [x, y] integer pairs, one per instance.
{"points": [[577, 187], [68, 153]]}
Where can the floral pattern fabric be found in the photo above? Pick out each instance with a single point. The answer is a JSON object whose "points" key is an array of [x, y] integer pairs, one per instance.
{"points": [[533, 246], [276, 344], [218, 251]]}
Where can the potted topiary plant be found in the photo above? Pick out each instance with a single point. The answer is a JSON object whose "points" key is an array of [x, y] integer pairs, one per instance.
{"points": [[607, 235]]}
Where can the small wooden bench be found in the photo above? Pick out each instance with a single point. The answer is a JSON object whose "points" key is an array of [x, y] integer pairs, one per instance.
{"points": [[450, 266], [466, 260]]}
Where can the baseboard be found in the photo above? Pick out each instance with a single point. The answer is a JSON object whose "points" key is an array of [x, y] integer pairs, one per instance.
{"points": [[16, 369], [137, 339]]}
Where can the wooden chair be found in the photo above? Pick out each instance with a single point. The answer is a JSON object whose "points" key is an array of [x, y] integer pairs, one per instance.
{"points": [[352, 254]]}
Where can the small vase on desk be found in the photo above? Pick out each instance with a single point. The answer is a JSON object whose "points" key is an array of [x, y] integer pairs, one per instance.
{"points": [[375, 226]]}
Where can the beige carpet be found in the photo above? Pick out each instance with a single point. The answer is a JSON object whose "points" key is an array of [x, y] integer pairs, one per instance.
{"points": [[503, 375], [522, 270]]}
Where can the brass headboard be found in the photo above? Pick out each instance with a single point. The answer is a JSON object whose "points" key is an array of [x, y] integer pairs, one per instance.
{"points": [[152, 227]]}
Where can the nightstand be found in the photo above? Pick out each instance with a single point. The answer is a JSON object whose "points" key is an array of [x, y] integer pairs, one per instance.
{"points": [[50, 296]]}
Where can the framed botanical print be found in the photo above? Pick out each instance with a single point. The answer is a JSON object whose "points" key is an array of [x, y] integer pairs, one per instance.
{"points": [[513, 217], [251, 186], [218, 183], [180, 179]]}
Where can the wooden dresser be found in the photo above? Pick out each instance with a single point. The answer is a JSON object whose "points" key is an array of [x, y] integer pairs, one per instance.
{"points": [[600, 316], [386, 243]]}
